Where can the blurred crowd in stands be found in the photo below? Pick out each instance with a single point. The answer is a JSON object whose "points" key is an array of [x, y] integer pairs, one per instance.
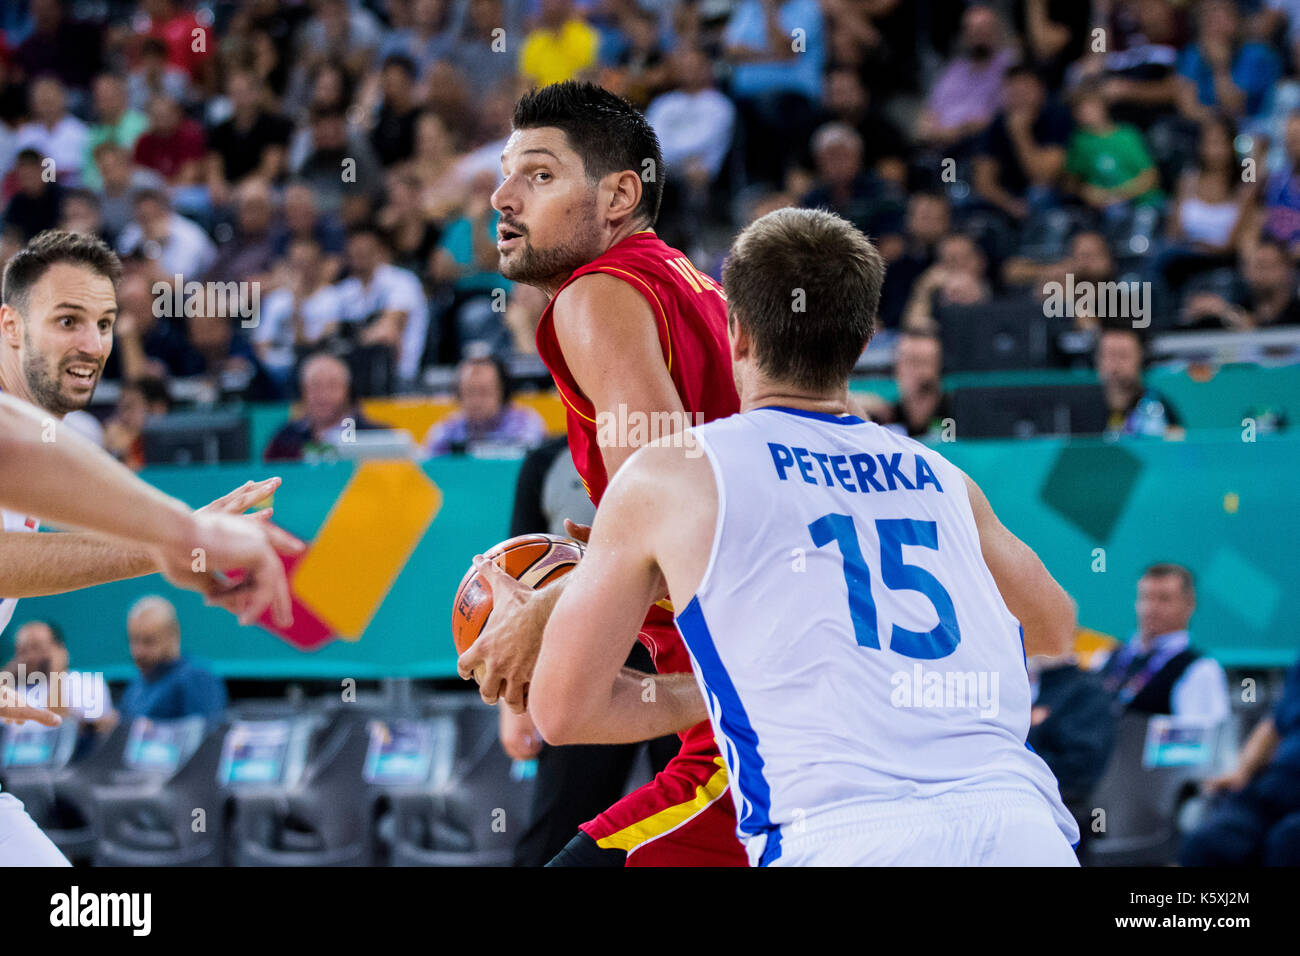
{"points": [[330, 163]]}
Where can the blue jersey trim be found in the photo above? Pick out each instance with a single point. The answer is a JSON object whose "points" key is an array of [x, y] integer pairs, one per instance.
{"points": [[739, 742], [772, 849], [819, 416]]}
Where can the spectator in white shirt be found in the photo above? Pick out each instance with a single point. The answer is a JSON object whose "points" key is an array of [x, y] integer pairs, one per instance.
{"points": [[40, 665], [155, 75], [300, 311], [694, 121], [694, 124], [1157, 671], [178, 245], [53, 132], [388, 302]]}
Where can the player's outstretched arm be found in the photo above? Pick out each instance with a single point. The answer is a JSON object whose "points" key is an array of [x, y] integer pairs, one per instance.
{"points": [[34, 565], [72, 482], [1030, 592], [580, 692]]}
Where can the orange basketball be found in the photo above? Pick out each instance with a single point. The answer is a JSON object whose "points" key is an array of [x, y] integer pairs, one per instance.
{"points": [[533, 559]]}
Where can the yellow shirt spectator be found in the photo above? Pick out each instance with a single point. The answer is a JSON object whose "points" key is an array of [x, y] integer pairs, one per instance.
{"points": [[550, 56]]}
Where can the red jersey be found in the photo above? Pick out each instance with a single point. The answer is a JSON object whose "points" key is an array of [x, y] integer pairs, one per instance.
{"points": [[685, 815], [690, 312]]}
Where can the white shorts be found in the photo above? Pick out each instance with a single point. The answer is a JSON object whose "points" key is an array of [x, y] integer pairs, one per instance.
{"points": [[21, 841], [986, 828]]}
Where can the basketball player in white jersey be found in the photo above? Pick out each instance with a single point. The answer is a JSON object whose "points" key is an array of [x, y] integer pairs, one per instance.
{"points": [[59, 476], [56, 331], [59, 305], [857, 616]]}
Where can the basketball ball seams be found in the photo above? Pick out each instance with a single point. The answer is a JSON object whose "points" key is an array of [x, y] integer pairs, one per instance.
{"points": [[532, 559]]}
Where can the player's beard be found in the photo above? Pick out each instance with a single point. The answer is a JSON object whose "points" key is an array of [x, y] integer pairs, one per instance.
{"points": [[550, 267], [43, 382]]}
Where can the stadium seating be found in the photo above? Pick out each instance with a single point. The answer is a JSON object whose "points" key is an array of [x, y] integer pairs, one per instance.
{"points": [[165, 819], [316, 818], [1143, 804], [474, 817], [61, 798]]}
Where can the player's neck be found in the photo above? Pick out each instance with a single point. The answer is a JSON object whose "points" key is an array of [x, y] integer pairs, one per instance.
{"points": [[836, 404], [551, 286]]}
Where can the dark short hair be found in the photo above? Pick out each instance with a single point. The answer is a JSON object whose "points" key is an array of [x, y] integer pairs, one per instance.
{"points": [[1089, 88], [1268, 242], [921, 335], [805, 284], [1117, 323], [147, 193], [30, 155], [56, 632], [367, 228], [327, 111], [49, 248], [151, 388], [82, 194], [605, 130], [1167, 569], [402, 62], [1022, 69], [478, 357], [107, 146], [1082, 231]]}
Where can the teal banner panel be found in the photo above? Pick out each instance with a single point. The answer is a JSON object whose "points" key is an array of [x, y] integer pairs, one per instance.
{"points": [[1097, 512]]}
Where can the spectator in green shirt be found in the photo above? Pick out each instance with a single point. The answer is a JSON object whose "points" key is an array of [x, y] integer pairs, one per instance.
{"points": [[115, 122], [1107, 163]]}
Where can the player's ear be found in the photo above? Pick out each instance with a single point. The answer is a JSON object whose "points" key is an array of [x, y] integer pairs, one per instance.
{"points": [[625, 193], [11, 325], [738, 336]]}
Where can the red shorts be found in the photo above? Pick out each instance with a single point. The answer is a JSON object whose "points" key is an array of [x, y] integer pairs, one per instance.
{"points": [[685, 816]]}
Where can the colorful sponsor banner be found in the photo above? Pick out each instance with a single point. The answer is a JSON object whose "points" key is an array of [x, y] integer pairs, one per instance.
{"points": [[388, 547]]}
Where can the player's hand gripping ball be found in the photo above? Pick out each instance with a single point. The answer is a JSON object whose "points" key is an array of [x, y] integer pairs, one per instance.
{"points": [[532, 559]]}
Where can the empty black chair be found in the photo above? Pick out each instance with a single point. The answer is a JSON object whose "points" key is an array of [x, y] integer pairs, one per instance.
{"points": [[990, 230], [1045, 235], [1132, 233], [165, 817], [1024, 411], [183, 438], [59, 793], [1007, 333], [474, 817], [316, 816], [1173, 142], [1143, 803], [31, 757]]}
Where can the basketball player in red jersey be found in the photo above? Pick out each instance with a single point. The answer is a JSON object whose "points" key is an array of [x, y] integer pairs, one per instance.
{"points": [[634, 335]]}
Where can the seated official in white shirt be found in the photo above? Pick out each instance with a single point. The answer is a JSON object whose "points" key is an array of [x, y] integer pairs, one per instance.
{"points": [[1158, 671]]}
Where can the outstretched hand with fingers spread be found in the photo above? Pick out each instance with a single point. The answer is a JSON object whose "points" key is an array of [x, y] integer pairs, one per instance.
{"points": [[226, 542]]}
